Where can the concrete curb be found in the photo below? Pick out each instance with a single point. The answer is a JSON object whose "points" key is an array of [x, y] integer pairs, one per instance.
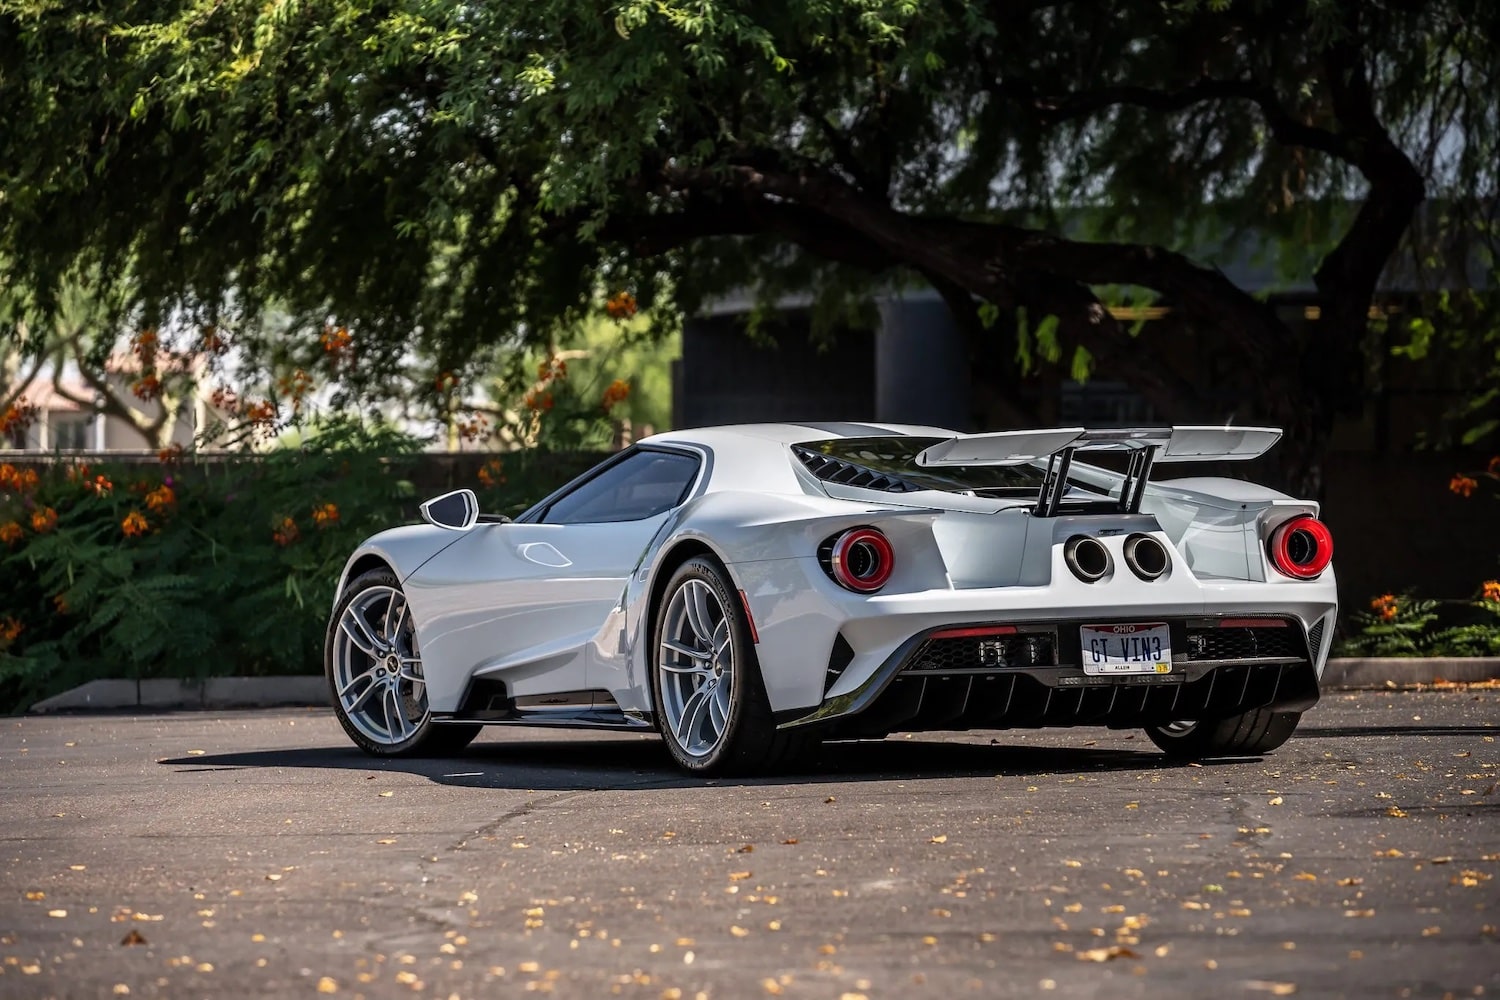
{"points": [[1354, 674], [215, 692], [1367, 673]]}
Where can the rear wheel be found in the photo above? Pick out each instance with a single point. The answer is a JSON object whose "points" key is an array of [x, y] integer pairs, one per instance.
{"points": [[710, 700], [1255, 732], [375, 674]]}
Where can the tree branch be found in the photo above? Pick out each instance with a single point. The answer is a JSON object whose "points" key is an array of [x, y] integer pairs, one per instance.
{"points": [[1347, 277], [15, 388], [106, 400], [1054, 109], [993, 260]]}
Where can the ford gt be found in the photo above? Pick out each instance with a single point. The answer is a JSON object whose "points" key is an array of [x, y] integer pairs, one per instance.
{"points": [[751, 591]]}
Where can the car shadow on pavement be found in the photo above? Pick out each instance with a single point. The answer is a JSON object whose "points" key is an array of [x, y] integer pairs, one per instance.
{"points": [[643, 763], [1345, 732]]}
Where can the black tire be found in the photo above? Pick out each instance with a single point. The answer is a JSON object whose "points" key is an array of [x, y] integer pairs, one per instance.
{"points": [[1251, 734], [749, 742], [426, 738]]}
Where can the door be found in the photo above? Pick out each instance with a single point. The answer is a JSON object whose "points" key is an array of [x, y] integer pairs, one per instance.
{"points": [[522, 602]]}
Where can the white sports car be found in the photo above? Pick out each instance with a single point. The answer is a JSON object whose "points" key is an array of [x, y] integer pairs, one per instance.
{"points": [[751, 591]]}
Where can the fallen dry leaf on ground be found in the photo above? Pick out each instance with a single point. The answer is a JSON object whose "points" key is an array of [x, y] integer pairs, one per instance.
{"points": [[1105, 954]]}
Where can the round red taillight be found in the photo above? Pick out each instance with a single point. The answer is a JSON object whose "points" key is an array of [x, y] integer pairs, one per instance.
{"points": [[1301, 548], [862, 560]]}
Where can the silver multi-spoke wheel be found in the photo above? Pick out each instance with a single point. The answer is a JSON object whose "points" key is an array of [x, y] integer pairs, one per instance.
{"points": [[377, 672], [708, 693], [696, 668]]}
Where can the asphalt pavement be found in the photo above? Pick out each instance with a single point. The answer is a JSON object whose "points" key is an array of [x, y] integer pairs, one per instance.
{"points": [[258, 853]]}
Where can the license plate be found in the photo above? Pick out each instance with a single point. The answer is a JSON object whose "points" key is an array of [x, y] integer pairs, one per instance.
{"points": [[1127, 649]]}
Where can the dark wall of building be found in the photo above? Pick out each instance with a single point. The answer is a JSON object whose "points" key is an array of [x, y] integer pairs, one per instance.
{"points": [[921, 364], [726, 377]]}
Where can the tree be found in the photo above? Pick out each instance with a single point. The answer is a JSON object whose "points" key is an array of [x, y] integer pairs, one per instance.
{"points": [[465, 172]]}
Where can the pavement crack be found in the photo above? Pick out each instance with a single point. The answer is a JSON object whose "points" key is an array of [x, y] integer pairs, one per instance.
{"points": [[526, 808]]}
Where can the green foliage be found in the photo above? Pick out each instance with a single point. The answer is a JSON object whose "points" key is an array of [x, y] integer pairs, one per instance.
{"points": [[460, 176], [230, 568], [1394, 626], [1476, 638], [1408, 626], [578, 393], [1457, 344]]}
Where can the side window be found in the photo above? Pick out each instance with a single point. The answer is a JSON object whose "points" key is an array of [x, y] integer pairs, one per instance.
{"points": [[641, 486]]}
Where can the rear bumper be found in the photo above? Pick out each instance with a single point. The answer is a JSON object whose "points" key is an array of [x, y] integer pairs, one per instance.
{"points": [[1033, 677]]}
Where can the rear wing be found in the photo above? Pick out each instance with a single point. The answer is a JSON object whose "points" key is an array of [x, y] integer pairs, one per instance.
{"points": [[1145, 446]]}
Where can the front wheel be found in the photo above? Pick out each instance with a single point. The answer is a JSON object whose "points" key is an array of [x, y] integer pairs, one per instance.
{"points": [[375, 674], [1255, 732], [710, 700]]}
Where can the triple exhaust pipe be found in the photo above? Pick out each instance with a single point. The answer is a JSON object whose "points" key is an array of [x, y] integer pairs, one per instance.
{"points": [[1091, 562]]}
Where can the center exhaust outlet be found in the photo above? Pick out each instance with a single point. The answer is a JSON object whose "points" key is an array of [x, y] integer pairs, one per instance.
{"points": [[1146, 556], [1087, 558]]}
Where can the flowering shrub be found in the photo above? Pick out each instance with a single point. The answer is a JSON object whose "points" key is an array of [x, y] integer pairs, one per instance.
{"points": [[1405, 626], [192, 568], [618, 392], [1394, 626], [196, 568]]}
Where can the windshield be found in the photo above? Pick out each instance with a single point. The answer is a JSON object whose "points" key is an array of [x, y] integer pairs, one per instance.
{"points": [[896, 457]]}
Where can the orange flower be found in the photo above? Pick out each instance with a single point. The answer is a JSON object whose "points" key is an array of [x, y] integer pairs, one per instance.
{"points": [[43, 520], [1386, 605], [286, 532], [10, 629], [135, 524], [16, 480], [170, 456], [491, 472], [147, 387], [618, 392], [620, 305], [296, 385], [1490, 590], [552, 368], [539, 400], [11, 532], [472, 430], [161, 499], [101, 486], [1463, 485], [18, 416], [79, 471], [336, 341], [263, 412], [224, 398], [325, 515], [60, 602]]}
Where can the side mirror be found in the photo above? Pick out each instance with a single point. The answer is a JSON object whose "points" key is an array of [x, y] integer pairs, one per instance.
{"points": [[458, 510]]}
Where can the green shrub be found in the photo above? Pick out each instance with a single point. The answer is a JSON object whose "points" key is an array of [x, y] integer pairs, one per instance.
{"points": [[1394, 626], [1407, 626], [202, 567], [1480, 635]]}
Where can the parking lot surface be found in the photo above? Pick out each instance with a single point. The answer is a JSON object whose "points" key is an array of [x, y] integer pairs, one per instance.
{"points": [[258, 853]]}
